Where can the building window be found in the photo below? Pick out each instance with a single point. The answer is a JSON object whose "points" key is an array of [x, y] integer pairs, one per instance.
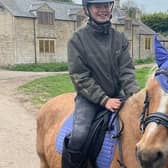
{"points": [[52, 46], [128, 24], [46, 18], [46, 46], [147, 43]]}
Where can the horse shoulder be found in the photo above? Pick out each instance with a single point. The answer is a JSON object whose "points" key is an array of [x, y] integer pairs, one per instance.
{"points": [[50, 117], [130, 114]]}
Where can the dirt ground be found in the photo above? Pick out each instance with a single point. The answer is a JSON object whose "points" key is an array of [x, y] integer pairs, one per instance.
{"points": [[17, 122]]}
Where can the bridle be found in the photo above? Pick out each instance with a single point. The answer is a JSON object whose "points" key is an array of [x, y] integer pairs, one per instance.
{"points": [[157, 117]]}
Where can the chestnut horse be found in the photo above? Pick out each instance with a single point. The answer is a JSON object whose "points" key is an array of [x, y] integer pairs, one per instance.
{"points": [[148, 150], [152, 149]]}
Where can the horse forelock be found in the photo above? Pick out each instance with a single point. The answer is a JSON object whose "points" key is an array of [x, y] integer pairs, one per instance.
{"points": [[152, 85], [163, 106], [151, 75]]}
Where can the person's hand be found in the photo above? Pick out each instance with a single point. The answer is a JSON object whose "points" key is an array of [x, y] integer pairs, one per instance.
{"points": [[113, 104]]}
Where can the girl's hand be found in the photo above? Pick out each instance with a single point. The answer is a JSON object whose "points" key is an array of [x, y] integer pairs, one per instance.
{"points": [[113, 104]]}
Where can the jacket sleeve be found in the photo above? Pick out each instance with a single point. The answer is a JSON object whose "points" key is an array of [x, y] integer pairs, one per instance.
{"points": [[127, 70], [81, 74]]}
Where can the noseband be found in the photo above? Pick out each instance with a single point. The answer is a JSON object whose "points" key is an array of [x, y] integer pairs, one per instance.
{"points": [[157, 117]]}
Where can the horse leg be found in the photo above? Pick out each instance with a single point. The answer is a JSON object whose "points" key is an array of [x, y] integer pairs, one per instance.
{"points": [[40, 145], [43, 162]]}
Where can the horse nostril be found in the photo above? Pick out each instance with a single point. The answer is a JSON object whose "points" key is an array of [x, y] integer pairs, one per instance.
{"points": [[137, 151], [159, 156], [139, 155], [149, 158]]}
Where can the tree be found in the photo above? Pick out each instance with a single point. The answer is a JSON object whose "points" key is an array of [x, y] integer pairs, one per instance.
{"points": [[131, 8], [156, 21]]}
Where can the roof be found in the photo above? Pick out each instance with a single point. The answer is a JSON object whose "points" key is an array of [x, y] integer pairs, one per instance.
{"points": [[144, 29], [120, 17], [23, 8], [162, 38], [17, 7]]}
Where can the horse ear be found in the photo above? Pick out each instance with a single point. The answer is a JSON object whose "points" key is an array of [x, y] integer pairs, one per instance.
{"points": [[161, 54]]}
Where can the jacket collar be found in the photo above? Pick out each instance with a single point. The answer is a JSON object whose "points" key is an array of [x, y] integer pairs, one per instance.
{"points": [[100, 28]]}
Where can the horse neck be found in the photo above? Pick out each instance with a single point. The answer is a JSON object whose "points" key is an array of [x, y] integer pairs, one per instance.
{"points": [[131, 111], [135, 104], [130, 115]]}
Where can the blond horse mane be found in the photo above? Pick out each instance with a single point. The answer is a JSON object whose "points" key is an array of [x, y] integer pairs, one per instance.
{"points": [[151, 74]]}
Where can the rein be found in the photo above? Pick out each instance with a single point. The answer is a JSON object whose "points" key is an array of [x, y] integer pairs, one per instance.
{"points": [[120, 129], [157, 117]]}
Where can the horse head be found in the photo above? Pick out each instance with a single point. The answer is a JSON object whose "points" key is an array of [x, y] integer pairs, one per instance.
{"points": [[152, 149]]}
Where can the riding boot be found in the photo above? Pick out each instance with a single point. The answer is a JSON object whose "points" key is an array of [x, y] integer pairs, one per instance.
{"points": [[71, 158]]}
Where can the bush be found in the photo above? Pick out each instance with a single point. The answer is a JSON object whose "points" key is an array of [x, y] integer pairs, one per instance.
{"points": [[144, 61], [50, 67]]}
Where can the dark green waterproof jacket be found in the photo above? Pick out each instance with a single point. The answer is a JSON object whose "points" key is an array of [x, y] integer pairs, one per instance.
{"points": [[100, 65]]}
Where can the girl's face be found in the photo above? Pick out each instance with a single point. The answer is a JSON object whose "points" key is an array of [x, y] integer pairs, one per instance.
{"points": [[101, 12]]}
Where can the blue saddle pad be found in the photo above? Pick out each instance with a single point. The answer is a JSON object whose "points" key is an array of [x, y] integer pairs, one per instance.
{"points": [[162, 79], [106, 154]]}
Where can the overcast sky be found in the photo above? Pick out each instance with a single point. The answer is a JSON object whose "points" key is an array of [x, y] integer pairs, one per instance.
{"points": [[147, 6], [151, 6]]}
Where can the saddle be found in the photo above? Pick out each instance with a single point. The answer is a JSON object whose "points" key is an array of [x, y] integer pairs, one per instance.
{"points": [[100, 145], [96, 137]]}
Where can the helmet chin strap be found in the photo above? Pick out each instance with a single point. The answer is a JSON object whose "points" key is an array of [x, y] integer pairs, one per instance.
{"points": [[100, 23]]}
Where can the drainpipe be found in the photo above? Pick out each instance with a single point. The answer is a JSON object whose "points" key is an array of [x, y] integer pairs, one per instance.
{"points": [[75, 26], [139, 46], [35, 53], [132, 41]]}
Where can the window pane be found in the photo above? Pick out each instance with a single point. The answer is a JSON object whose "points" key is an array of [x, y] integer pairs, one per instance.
{"points": [[147, 43], [45, 17], [51, 18], [149, 47], [41, 46], [51, 46], [46, 45], [128, 24]]}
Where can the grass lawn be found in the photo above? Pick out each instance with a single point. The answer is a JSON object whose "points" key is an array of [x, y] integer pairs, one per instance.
{"points": [[142, 76], [40, 90]]}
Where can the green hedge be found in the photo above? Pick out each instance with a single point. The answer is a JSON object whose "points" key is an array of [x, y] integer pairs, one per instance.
{"points": [[51, 67]]}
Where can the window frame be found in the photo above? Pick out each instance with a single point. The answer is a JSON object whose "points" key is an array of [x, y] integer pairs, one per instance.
{"points": [[45, 18], [46, 46], [148, 43]]}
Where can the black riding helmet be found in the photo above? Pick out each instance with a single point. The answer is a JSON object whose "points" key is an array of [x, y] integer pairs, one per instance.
{"points": [[86, 3]]}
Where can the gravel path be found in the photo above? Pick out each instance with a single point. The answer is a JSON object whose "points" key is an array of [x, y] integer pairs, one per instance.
{"points": [[17, 122]]}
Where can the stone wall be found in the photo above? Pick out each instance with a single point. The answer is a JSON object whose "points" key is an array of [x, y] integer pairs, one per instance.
{"points": [[19, 39], [60, 32], [64, 32], [6, 38], [146, 53], [24, 39], [136, 42]]}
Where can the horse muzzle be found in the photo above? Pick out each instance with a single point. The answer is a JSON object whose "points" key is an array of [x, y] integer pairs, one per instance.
{"points": [[150, 159]]}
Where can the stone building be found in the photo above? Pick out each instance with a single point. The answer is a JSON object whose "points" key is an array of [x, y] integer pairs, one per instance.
{"points": [[33, 31], [139, 35], [37, 31]]}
